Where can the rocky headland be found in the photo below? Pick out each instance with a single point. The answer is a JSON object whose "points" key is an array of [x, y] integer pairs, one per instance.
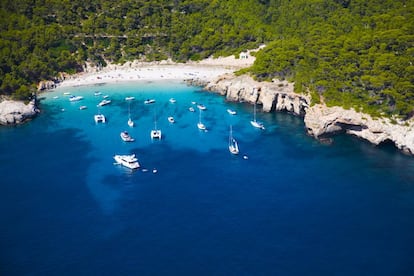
{"points": [[16, 112], [320, 121]]}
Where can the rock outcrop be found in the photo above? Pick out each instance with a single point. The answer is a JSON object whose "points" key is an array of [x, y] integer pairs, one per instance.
{"points": [[274, 96], [15, 112], [321, 121]]}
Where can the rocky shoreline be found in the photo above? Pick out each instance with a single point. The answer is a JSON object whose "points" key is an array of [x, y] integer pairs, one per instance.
{"points": [[320, 121], [17, 112]]}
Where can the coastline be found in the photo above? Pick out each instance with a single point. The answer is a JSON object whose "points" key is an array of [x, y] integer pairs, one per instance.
{"points": [[205, 71]]}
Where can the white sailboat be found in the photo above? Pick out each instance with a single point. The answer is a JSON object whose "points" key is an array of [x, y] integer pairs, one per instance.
{"points": [[233, 146], [200, 125], [130, 122], [155, 133], [255, 123]]}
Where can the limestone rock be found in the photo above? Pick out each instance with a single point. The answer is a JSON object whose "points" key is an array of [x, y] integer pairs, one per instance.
{"points": [[15, 112]]}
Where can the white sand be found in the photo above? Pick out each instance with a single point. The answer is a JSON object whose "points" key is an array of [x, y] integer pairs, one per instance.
{"points": [[205, 70]]}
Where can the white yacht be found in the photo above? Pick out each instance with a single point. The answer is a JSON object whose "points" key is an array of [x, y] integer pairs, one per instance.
{"points": [[171, 119], [129, 161], [100, 118], [255, 123], [104, 102], [201, 107], [83, 107], [126, 137], [191, 109], [172, 100], [233, 146], [231, 112], [131, 123], [149, 101], [200, 125], [129, 98], [75, 98]]}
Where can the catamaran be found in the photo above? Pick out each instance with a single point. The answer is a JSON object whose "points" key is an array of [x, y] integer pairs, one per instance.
{"points": [[155, 133], [233, 146]]}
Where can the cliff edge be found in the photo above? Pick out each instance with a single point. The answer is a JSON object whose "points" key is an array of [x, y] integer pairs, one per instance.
{"points": [[320, 120]]}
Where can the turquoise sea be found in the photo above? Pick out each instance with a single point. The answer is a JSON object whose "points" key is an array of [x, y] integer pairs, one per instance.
{"points": [[286, 205]]}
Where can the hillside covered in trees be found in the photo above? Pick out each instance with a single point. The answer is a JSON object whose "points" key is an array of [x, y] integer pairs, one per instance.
{"points": [[357, 53]]}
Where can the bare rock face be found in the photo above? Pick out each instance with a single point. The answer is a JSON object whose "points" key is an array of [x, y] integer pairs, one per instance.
{"points": [[321, 120], [276, 95], [14, 112]]}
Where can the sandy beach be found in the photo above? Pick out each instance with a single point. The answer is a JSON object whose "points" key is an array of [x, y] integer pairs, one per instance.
{"points": [[204, 70]]}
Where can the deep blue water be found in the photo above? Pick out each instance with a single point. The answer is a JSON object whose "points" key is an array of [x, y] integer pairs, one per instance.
{"points": [[294, 207]]}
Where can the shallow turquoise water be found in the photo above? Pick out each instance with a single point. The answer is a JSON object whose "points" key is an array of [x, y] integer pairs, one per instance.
{"points": [[294, 207]]}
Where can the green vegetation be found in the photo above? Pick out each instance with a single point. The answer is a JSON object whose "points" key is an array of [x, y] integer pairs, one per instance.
{"points": [[352, 53]]}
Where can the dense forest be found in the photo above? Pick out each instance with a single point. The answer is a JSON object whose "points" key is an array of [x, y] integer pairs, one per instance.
{"points": [[351, 53]]}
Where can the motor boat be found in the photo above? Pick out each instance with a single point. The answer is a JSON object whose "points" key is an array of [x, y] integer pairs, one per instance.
{"points": [[75, 98], [231, 112], [104, 102], [201, 107], [149, 101], [126, 137], [129, 161], [172, 100], [82, 107], [191, 109], [171, 119], [129, 98]]}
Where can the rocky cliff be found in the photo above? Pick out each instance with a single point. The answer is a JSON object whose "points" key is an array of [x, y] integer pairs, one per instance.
{"points": [[320, 120], [274, 96], [15, 112]]}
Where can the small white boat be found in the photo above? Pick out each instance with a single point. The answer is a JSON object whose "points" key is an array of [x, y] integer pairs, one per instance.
{"points": [[106, 96], [200, 125], [104, 102], [231, 112], [55, 97], [191, 109], [126, 137], [155, 133], [201, 107], [233, 146], [129, 161], [171, 119], [130, 122], [193, 103], [172, 100], [82, 107], [66, 93], [97, 93], [75, 98], [149, 101], [129, 98], [255, 123], [100, 118]]}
